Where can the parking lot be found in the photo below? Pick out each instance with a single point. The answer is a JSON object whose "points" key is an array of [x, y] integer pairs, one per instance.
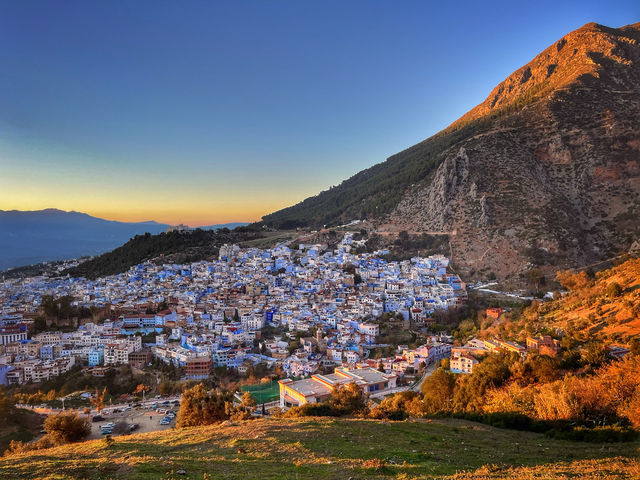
{"points": [[148, 420]]}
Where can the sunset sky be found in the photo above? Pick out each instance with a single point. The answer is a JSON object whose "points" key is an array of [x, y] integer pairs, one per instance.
{"points": [[207, 112]]}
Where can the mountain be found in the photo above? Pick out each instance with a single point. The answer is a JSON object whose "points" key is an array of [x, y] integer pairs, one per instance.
{"points": [[43, 235], [316, 448], [545, 173], [230, 226]]}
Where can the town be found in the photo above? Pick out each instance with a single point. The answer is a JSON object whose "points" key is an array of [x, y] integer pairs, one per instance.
{"points": [[301, 309]]}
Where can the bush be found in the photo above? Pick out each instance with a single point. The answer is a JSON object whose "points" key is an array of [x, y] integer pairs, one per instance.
{"points": [[610, 434], [200, 406], [348, 399], [323, 409], [66, 428], [614, 290]]}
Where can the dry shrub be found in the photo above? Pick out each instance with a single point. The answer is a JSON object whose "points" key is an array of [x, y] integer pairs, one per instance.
{"points": [[375, 464]]}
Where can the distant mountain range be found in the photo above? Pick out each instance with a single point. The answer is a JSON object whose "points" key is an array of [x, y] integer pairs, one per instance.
{"points": [[28, 237], [544, 174]]}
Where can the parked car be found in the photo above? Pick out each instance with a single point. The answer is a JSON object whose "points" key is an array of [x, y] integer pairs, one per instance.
{"points": [[98, 418], [133, 426], [107, 431]]}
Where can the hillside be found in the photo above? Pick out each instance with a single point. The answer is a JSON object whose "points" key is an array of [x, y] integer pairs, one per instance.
{"points": [[171, 247], [21, 425], [606, 306], [330, 448], [30, 237], [544, 173]]}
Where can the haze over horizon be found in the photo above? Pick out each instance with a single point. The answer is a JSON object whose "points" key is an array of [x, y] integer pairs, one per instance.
{"points": [[224, 112]]}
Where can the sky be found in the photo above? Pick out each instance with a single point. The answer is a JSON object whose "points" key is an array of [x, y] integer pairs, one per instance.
{"points": [[203, 112]]}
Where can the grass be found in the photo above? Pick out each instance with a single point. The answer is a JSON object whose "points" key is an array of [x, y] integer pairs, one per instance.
{"points": [[24, 426], [263, 392], [330, 449]]}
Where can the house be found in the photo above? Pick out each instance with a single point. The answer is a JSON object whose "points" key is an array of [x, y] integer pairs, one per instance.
{"points": [[198, 367], [545, 345], [463, 363], [96, 357], [140, 359]]}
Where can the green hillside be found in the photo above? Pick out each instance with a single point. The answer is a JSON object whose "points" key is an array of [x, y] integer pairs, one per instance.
{"points": [[377, 190], [330, 449], [173, 247]]}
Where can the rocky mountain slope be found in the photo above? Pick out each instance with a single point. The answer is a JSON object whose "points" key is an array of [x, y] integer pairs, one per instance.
{"points": [[544, 173]]}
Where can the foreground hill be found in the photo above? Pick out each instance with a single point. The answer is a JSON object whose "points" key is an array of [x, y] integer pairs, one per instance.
{"points": [[44, 235], [545, 172], [330, 448]]}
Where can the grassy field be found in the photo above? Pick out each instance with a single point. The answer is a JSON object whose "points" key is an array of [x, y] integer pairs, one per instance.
{"points": [[330, 449], [263, 392]]}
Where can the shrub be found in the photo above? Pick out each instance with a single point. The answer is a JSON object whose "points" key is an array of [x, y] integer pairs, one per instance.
{"points": [[66, 428], [614, 290], [348, 399], [608, 434], [322, 409], [200, 406]]}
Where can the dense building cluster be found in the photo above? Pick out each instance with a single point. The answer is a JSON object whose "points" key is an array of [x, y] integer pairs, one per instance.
{"points": [[322, 303]]}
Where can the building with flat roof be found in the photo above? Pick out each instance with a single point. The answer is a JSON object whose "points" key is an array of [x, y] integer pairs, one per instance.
{"points": [[318, 388], [198, 367]]}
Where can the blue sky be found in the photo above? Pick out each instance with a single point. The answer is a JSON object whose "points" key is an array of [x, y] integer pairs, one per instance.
{"points": [[201, 112]]}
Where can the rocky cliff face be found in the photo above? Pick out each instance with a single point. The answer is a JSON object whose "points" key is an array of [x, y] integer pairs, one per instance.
{"points": [[549, 173], [544, 173]]}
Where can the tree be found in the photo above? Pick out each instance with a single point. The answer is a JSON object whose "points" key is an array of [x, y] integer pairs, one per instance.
{"points": [[98, 400], [535, 278], [141, 389], [66, 428], [399, 406], [6, 408], [573, 281], [200, 406], [438, 389], [348, 399], [244, 409]]}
